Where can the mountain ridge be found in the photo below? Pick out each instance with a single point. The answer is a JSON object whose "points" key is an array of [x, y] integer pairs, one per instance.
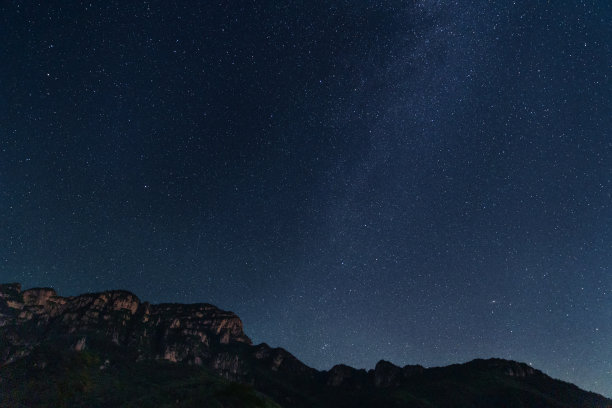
{"points": [[118, 326]]}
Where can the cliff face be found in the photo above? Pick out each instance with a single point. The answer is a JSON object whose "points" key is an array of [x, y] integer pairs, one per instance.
{"points": [[115, 333], [173, 332]]}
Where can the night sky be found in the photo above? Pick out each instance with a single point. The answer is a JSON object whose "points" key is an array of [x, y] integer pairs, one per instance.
{"points": [[425, 182]]}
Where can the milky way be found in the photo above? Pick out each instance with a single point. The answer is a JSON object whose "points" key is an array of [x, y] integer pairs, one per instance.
{"points": [[424, 182]]}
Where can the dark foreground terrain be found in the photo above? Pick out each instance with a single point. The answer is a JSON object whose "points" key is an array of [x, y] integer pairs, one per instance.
{"points": [[111, 350]]}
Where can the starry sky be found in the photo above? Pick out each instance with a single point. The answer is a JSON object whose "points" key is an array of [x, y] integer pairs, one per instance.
{"points": [[422, 181]]}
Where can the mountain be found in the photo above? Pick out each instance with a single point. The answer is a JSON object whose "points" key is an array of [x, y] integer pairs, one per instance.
{"points": [[109, 349]]}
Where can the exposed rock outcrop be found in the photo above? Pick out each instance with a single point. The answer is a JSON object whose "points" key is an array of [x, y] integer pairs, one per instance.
{"points": [[113, 329], [174, 332]]}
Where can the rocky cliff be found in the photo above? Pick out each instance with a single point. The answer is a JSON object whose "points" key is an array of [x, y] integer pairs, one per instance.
{"points": [[115, 333], [174, 332]]}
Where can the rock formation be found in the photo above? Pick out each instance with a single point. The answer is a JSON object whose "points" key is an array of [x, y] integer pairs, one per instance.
{"points": [[174, 332], [118, 329]]}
